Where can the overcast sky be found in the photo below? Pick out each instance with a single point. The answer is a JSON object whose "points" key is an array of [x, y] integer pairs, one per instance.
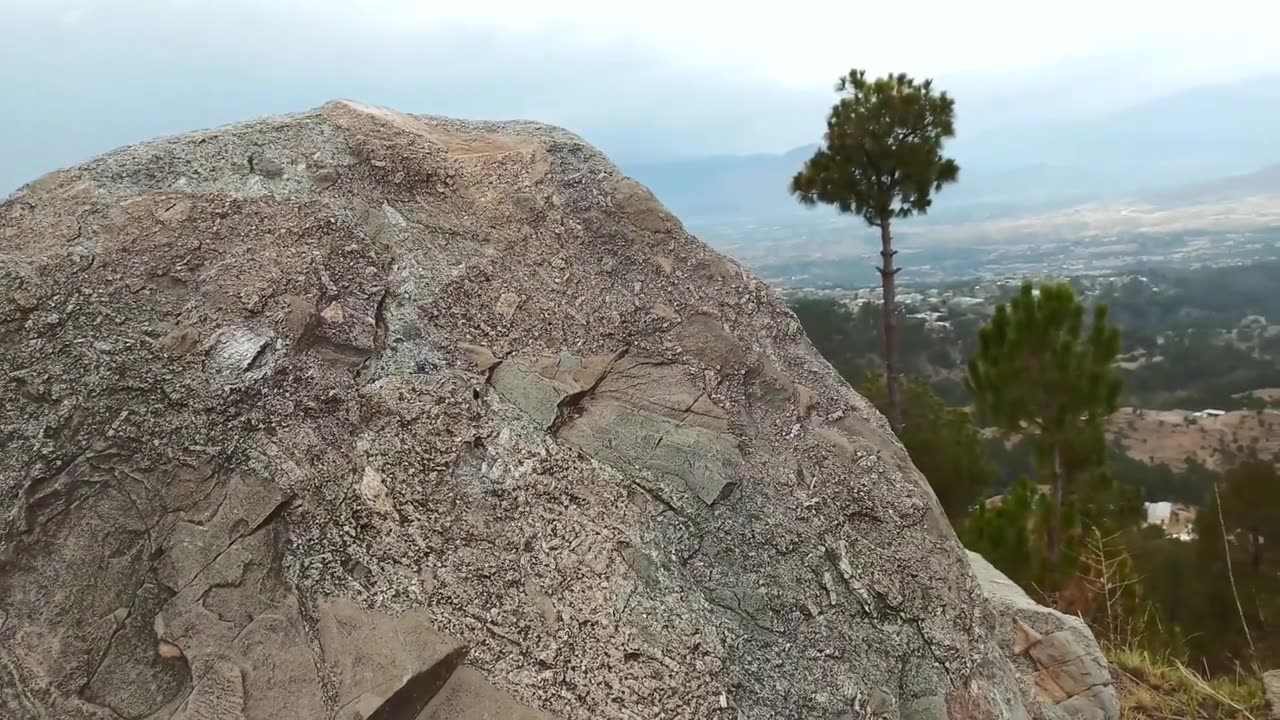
{"points": [[793, 44], [671, 77]]}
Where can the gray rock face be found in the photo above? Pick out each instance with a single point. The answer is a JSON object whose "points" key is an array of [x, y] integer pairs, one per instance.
{"points": [[355, 414], [1271, 682], [1055, 652]]}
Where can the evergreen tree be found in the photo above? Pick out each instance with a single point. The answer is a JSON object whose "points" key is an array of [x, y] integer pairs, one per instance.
{"points": [[1251, 506], [840, 334], [1233, 607], [882, 159], [1041, 373], [1008, 531]]}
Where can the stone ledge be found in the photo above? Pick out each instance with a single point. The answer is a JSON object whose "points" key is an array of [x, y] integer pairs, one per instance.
{"points": [[1057, 653]]}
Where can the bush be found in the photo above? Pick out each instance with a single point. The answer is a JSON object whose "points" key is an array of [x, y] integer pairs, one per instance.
{"points": [[1155, 686]]}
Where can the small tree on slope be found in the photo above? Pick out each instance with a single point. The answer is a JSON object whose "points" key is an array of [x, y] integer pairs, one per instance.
{"points": [[882, 159], [1250, 502], [1040, 372]]}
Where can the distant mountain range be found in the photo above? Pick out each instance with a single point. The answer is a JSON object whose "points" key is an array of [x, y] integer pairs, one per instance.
{"points": [[1259, 183], [1202, 144]]}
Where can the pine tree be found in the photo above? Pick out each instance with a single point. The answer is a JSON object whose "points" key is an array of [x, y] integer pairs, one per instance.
{"points": [[882, 159], [1251, 506], [1041, 373], [1008, 532]]}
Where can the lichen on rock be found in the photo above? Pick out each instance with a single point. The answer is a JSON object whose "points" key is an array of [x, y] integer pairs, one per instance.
{"points": [[371, 378]]}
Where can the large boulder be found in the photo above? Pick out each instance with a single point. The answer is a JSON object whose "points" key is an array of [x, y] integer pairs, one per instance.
{"points": [[1056, 653], [357, 414], [1271, 685]]}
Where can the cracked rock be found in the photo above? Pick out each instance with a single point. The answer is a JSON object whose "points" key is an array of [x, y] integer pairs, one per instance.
{"points": [[1055, 651], [135, 675], [372, 653], [451, 420], [218, 695]]}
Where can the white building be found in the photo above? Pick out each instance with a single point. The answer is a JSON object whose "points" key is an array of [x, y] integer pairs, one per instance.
{"points": [[1177, 520], [1158, 512]]}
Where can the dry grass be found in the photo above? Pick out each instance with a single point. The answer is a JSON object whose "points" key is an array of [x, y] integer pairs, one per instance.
{"points": [[1270, 395], [1165, 436], [1153, 687]]}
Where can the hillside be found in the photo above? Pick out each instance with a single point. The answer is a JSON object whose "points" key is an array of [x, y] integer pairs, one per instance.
{"points": [[1194, 339], [753, 188], [1172, 511], [1170, 437], [1217, 130], [1261, 183]]}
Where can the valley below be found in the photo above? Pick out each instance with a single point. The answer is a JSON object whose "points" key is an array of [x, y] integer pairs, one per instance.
{"points": [[818, 251], [1199, 363], [1173, 437]]}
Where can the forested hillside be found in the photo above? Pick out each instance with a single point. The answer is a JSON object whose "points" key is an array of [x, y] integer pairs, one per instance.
{"points": [[1207, 337], [1191, 339]]}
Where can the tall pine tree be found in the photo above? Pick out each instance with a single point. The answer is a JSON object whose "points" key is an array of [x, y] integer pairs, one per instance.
{"points": [[1041, 373], [882, 159]]}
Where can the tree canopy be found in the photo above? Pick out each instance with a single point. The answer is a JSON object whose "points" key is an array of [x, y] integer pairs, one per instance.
{"points": [[1041, 373], [1039, 369], [882, 157]]}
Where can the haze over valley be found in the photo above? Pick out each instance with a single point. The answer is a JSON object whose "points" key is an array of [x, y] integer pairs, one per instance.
{"points": [[1188, 178]]}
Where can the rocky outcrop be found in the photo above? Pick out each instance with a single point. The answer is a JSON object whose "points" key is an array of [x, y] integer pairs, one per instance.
{"points": [[357, 414], [1056, 653]]}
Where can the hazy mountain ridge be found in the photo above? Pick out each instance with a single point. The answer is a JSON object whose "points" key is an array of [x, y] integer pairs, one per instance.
{"points": [[1188, 147], [1259, 183]]}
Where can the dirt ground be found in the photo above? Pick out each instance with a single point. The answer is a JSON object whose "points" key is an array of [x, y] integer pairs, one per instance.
{"points": [[1170, 436]]}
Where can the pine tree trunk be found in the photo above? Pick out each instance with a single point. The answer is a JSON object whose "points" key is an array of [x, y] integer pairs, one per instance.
{"points": [[888, 275], [1055, 513]]}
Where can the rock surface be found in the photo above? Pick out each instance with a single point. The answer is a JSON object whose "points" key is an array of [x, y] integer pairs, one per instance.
{"points": [[1055, 652], [1271, 682], [337, 414]]}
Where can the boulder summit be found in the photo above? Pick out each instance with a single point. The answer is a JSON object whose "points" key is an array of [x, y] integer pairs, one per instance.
{"points": [[359, 414]]}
